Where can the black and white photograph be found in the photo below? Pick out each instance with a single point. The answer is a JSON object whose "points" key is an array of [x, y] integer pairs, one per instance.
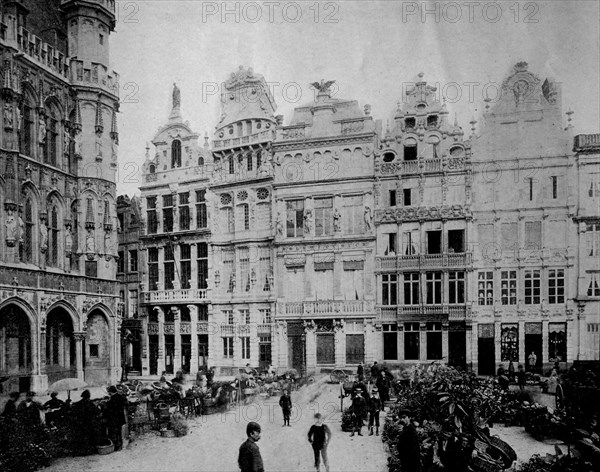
{"points": [[295, 236]]}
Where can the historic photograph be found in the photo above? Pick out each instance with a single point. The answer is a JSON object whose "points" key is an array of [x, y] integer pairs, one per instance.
{"points": [[311, 235]]}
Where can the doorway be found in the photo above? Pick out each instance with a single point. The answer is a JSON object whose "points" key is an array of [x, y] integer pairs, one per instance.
{"points": [[457, 349], [486, 348], [153, 353], [186, 352], [533, 343]]}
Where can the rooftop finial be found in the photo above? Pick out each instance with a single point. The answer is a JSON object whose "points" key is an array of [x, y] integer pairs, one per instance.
{"points": [[176, 96], [569, 119]]}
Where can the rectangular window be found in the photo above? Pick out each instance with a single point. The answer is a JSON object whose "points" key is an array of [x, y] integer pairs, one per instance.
{"points": [[557, 342], [392, 198], [532, 287], [184, 211], [456, 287], [533, 235], [94, 350], [243, 212], [390, 342], [245, 316], [433, 287], [389, 289], [228, 316], [153, 268], [169, 267], [353, 215], [295, 218], [412, 343], [407, 196], [265, 316], [202, 261], [434, 341], [485, 288], [121, 262], [592, 239], [410, 245], [508, 287], [245, 268], [91, 268], [168, 213], [245, 341], [434, 242], [411, 288], [133, 260], [133, 304], [456, 241], [185, 256], [594, 189], [201, 215], [323, 216], [530, 183], [410, 153], [26, 135], [554, 181], [228, 347], [593, 288], [266, 272], [556, 286], [228, 274], [151, 213], [509, 342], [391, 244]]}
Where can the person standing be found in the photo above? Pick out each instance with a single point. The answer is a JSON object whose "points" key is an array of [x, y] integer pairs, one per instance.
{"points": [[360, 371], [116, 416], [10, 409], [375, 407], [511, 371], [521, 377], [319, 436], [383, 386], [359, 406], [532, 362], [374, 371], [54, 402], [249, 458], [29, 411], [409, 449], [285, 402], [85, 424]]}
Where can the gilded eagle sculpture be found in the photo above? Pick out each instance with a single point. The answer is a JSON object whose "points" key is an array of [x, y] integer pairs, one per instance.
{"points": [[323, 87]]}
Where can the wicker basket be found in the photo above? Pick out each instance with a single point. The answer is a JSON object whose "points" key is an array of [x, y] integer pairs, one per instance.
{"points": [[484, 463], [106, 446], [498, 447]]}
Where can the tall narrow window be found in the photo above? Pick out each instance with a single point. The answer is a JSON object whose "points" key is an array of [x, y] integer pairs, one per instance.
{"points": [[557, 342], [593, 287], [411, 341], [29, 232], [532, 287], [389, 289], [185, 256], [245, 268], [434, 287], [554, 181], [407, 196], [508, 287], [295, 218], [485, 288], [244, 215], [594, 188], [592, 239], [53, 234], [151, 213], [51, 149], [202, 261], [168, 213], [231, 163], [228, 347], [258, 159], [121, 262], [201, 216], [410, 246], [27, 132], [509, 342], [392, 198], [530, 183], [456, 287], [434, 341], [175, 154], [411, 288], [266, 272], [153, 268], [169, 267], [323, 216], [133, 260], [184, 211], [434, 242], [391, 249], [245, 345], [353, 216], [556, 286], [249, 161]]}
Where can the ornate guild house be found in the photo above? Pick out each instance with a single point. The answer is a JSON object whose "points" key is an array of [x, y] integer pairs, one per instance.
{"points": [[58, 158]]}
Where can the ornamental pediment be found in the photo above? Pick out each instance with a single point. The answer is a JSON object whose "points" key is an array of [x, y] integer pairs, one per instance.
{"points": [[422, 213]]}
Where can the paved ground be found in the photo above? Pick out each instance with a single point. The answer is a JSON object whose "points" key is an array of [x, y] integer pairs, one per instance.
{"points": [[214, 440]]}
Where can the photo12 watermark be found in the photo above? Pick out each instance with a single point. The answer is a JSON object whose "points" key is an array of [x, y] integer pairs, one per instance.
{"points": [[470, 12], [271, 12]]}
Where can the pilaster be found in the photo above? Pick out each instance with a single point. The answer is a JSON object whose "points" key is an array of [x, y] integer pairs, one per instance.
{"points": [[194, 335]]}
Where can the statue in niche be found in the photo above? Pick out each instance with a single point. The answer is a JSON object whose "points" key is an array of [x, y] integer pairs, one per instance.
{"points": [[66, 142], [11, 228], [21, 230], [90, 244], [98, 146], [368, 218], [8, 116], [43, 237], [279, 224], [19, 119], [176, 96], [115, 149], [42, 131], [337, 216], [307, 221], [107, 245], [78, 144], [68, 240]]}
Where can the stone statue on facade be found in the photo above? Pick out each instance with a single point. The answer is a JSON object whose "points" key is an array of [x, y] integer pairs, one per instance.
{"points": [[279, 224], [176, 96], [115, 150], [323, 87], [68, 240], [90, 245], [11, 229], [337, 216], [43, 237], [42, 131], [368, 218], [98, 146], [78, 144], [19, 119], [8, 116]]}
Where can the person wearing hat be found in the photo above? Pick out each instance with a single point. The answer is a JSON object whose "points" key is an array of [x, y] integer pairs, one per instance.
{"points": [[85, 424], [115, 415], [408, 446], [359, 406], [375, 406], [10, 409], [249, 458], [29, 411], [54, 402]]}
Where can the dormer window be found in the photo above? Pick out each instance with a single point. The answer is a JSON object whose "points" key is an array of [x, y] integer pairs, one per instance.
{"points": [[409, 123], [176, 154], [389, 157], [152, 169], [432, 121], [410, 150], [421, 106]]}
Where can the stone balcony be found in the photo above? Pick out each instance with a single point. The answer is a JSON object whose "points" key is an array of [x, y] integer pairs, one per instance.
{"points": [[424, 261], [173, 296], [325, 308], [420, 166], [424, 312], [255, 138]]}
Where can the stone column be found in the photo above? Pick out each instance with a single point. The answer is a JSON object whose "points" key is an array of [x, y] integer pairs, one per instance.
{"points": [[214, 334], [370, 346], [280, 345], [470, 345], [254, 341], [177, 353], [161, 340], [340, 344], [422, 341], [522, 353], [338, 273], [400, 342], [194, 335], [445, 347], [310, 347], [544, 343], [79, 338]]}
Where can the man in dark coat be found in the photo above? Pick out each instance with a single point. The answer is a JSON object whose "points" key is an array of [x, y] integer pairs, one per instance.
{"points": [[116, 416], [10, 409], [285, 402], [29, 411], [409, 449], [375, 406], [360, 371], [383, 386], [249, 458], [359, 407], [319, 436], [85, 424], [374, 371]]}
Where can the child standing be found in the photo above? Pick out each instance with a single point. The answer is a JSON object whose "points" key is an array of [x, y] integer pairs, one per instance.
{"points": [[319, 435]]}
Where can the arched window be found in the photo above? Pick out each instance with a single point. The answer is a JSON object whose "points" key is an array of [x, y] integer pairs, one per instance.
{"points": [[53, 234], [176, 154], [27, 128], [200, 161], [27, 246], [51, 147], [231, 164], [152, 168]]}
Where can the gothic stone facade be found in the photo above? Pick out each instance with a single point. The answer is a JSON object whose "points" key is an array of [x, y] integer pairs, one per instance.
{"points": [[59, 146]]}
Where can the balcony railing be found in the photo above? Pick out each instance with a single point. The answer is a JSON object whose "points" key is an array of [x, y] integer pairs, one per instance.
{"points": [[263, 136], [422, 311], [327, 308], [227, 329], [159, 296], [424, 261], [264, 329]]}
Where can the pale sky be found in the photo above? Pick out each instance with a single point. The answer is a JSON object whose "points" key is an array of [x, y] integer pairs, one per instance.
{"points": [[373, 49]]}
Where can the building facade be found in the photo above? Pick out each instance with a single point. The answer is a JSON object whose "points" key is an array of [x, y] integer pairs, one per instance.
{"points": [[59, 149]]}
